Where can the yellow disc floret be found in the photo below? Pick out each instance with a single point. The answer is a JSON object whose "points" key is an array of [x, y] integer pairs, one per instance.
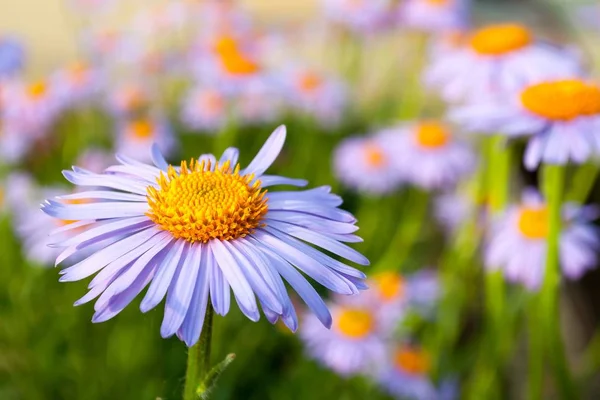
{"points": [[495, 40], [562, 100], [390, 285], [355, 323], [432, 135], [412, 360], [198, 205], [533, 222]]}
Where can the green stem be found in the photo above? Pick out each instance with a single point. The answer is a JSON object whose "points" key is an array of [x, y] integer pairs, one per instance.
{"points": [[198, 362], [535, 373], [498, 178], [413, 97], [554, 184], [407, 232]]}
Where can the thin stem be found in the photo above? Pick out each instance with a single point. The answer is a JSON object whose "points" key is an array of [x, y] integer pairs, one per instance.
{"points": [[554, 183], [413, 99], [198, 362], [535, 375]]}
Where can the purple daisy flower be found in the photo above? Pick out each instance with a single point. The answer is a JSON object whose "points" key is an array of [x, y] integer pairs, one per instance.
{"points": [[495, 61], [12, 57], [518, 241], [205, 109], [196, 231], [364, 16], [435, 15], [562, 117], [76, 84], [368, 164], [429, 156], [136, 137], [356, 342]]}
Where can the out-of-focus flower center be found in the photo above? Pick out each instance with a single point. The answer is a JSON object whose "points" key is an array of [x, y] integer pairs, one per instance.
{"points": [[355, 323], [310, 81], [212, 102], [411, 360], [437, 2], [232, 58], [500, 39], [141, 129], [37, 90], [390, 285], [133, 99], [562, 100], [533, 222], [374, 155], [78, 72], [197, 204], [432, 135]]}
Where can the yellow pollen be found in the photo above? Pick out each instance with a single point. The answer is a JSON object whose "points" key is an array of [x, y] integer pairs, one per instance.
{"points": [[432, 135], [374, 156], [495, 40], [198, 204], [355, 323], [390, 285], [37, 89], [141, 129], [310, 81], [412, 360], [533, 222], [562, 100]]}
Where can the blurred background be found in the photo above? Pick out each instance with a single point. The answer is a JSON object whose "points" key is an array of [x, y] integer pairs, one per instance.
{"points": [[132, 69]]}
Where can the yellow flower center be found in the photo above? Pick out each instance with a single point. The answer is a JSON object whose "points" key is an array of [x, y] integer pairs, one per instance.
{"points": [[412, 360], [437, 2], [310, 81], [355, 323], [374, 156], [141, 129], [390, 285], [37, 90], [495, 40], [533, 222], [432, 135], [78, 72], [232, 59], [199, 205], [562, 100]]}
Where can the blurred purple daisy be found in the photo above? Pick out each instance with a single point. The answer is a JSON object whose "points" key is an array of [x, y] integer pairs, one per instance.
{"points": [[496, 61], [562, 116], [205, 109], [367, 164], [435, 15], [195, 231], [518, 241], [364, 16], [12, 57], [136, 137], [355, 344], [406, 376], [429, 156]]}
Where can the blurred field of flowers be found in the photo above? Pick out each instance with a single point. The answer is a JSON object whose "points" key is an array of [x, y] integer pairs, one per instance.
{"points": [[452, 145]]}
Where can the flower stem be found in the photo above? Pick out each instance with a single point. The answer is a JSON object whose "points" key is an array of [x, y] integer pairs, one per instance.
{"points": [[498, 172], [554, 184], [198, 362]]}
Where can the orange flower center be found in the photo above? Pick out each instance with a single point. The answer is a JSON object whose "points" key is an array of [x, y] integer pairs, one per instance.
{"points": [[495, 40], [412, 360], [533, 222], [432, 135], [355, 323], [390, 285], [37, 90], [232, 59], [78, 72], [562, 100], [374, 156], [437, 2], [212, 101], [141, 129], [199, 205], [310, 81]]}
